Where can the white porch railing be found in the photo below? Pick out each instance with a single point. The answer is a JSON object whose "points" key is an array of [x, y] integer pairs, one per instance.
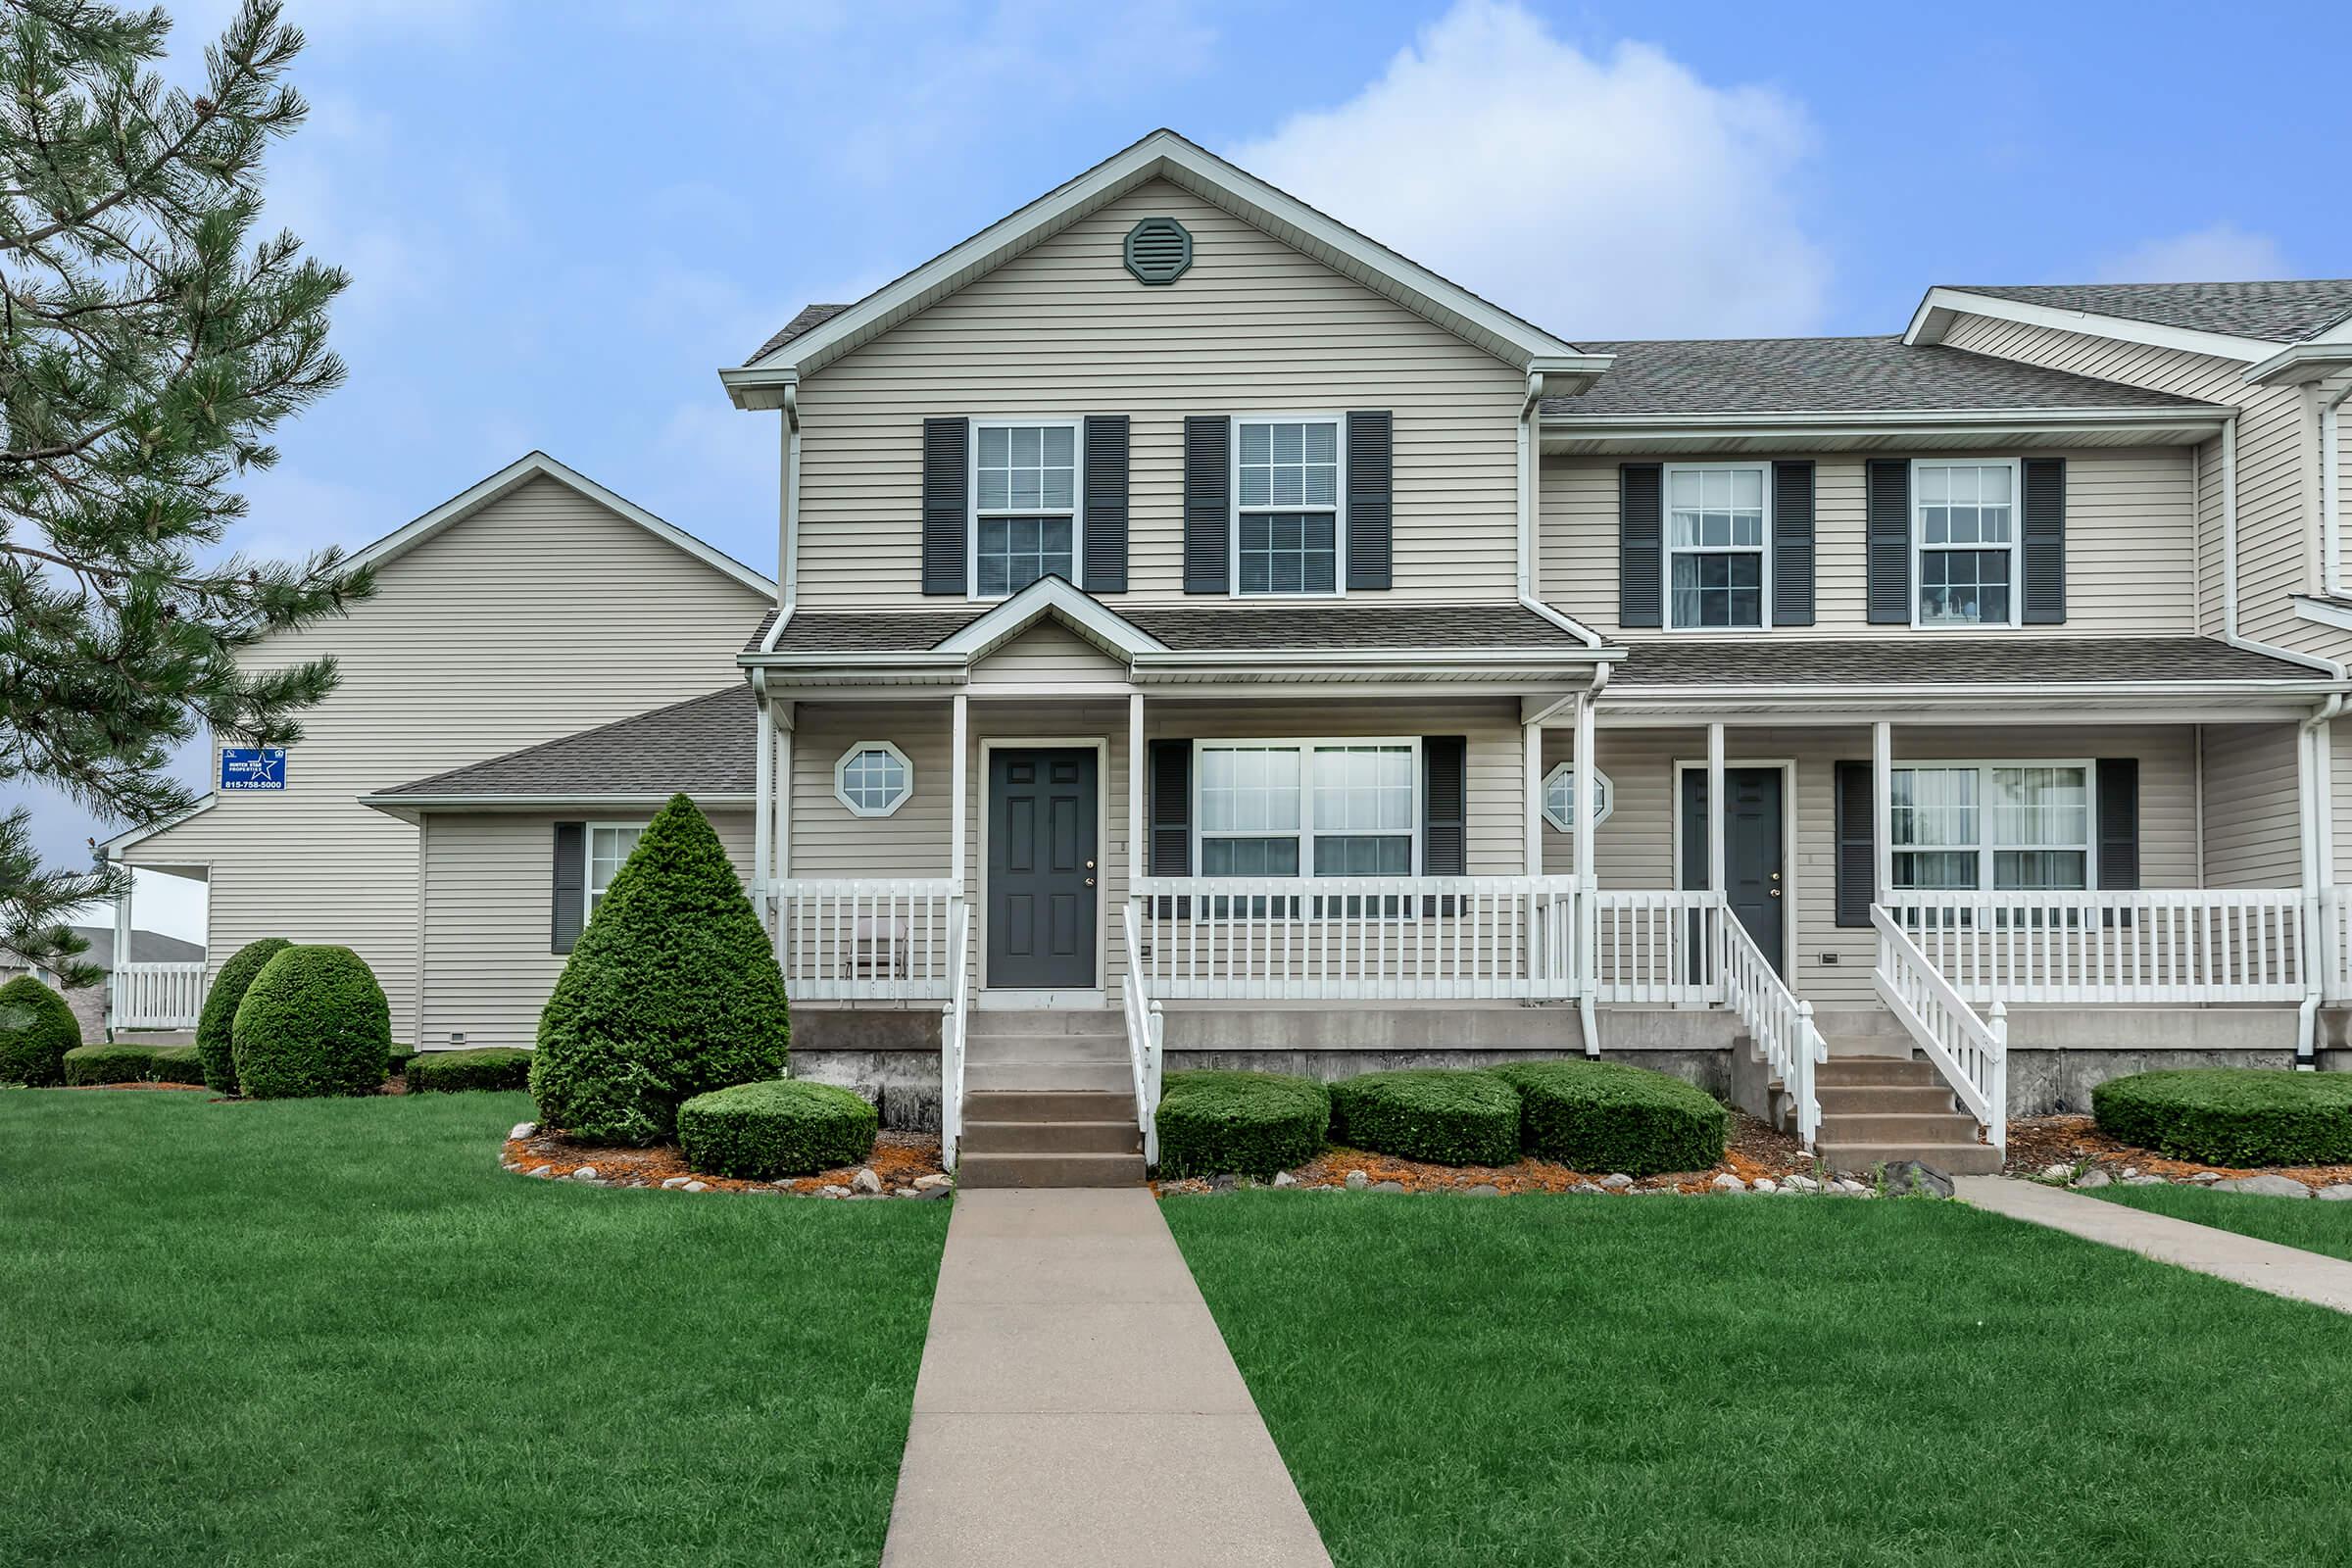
{"points": [[1781, 1025], [868, 939], [1426, 938], [953, 1028], [1972, 1052], [1656, 947], [2155, 945], [1144, 1026], [2336, 944], [158, 996]]}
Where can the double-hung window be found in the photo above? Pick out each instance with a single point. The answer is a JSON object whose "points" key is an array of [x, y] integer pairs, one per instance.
{"points": [[609, 847], [1717, 520], [1288, 530], [2005, 827], [1341, 807], [1024, 506], [1964, 529]]}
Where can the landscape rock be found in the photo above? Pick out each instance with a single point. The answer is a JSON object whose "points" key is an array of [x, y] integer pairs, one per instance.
{"points": [[524, 1129], [2143, 1179], [1728, 1183], [1911, 1179], [509, 1165], [1227, 1183], [865, 1181], [2130, 1171], [697, 1187], [923, 1183], [1283, 1178], [1484, 1189], [586, 1173], [2265, 1185], [1617, 1179], [834, 1190], [1388, 1187], [2093, 1177], [1584, 1186], [1801, 1183], [1358, 1179], [675, 1181], [545, 1172], [943, 1190], [1852, 1188], [2057, 1173], [1765, 1184], [2337, 1193]]}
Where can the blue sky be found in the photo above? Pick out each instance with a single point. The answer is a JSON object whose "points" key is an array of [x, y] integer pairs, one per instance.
{"points": [[563, 218]]}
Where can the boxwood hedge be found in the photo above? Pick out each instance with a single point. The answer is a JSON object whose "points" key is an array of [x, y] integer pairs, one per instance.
{"points": [[133, 1063], [482, 1067], [215, 1025], [313, 1022], [775, 1127], [2232, 1115], [1606, 1116], [1240, 1123], [1448, 1116], [36, 1030]]}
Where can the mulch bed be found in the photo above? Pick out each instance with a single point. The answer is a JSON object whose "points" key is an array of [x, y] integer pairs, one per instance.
{"points": [[194, 1088], [1755, 1150], [898, 1159], [2037, 1143]]}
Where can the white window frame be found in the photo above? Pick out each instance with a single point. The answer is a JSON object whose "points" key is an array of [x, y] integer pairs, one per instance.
{"points": [[972, 513], [1986, 848], [2015, 547], [588, 888], [1605, 803], [841, 787], [1762, 550], [1306, 833], [1234, 509]]}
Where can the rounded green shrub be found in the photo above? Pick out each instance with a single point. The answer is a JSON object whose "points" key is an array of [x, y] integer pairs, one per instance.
{"points": [[2232, 1115], [775, 1127], [313, 1022], [671, 992], [1606, 1116], [1448, 1116], [1240, 1124], [124, 1063], [215, 1025], [398, 1064], [36, 1030], [482, 1067]]}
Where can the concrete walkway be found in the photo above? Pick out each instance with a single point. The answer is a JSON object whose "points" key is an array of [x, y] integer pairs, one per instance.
{"points": [[1077, 1404], [2286, 1271]]}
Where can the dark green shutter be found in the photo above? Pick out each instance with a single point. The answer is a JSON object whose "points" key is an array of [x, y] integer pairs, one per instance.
{"points": [[2119, 823], [1171, 809], [2044, 538], [1371, 499], [1792, 543], [569, 886], [1887, 501], [1857, 850], [1444, 805], [946, 503], [1208, 504], [1105, 569], [1641, 543]]}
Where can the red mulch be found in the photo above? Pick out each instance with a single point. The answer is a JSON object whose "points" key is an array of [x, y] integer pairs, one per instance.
{"points": [[2036, 1142], [198, 1088], [898, 1159], [1755, 1150]]}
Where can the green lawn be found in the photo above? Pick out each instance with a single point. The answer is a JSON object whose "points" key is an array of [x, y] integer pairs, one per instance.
{"points": [[336, 1332], [2303, 1222], [1766, 1381]]}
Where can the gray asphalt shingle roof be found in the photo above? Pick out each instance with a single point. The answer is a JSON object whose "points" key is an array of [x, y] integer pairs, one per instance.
{"points": [[1834, 374], [2283, 312], [1187, 628], [703, 747], [810, 318], [1936, 659]]}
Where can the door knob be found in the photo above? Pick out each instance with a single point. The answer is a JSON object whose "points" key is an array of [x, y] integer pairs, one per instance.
{"points": [[1090, 865], [1090, 881], [1776, 892]]}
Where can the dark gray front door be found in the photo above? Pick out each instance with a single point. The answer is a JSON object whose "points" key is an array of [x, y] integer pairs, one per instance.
{"points": [[1752, 866], [1043, 919]]}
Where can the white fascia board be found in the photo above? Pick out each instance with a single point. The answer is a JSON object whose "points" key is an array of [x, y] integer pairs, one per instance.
{"points": [[538, 465], [1937, 422], [751, 388], [1933, 318], [1097, 621], [1378, 658], [2305, 362], [1160, 154], [2324, 611], [2288, 691], [396, 804], [111, 848]]}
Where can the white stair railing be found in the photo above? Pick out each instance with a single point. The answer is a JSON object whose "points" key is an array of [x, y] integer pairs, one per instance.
{"points": [[1970, 1051], [1144, 1026], [1779, 1023], [952, 1024]]}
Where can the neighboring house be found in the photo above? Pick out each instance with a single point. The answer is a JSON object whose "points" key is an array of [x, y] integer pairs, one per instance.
{"points": [[90, 1003], [1196, 619]]}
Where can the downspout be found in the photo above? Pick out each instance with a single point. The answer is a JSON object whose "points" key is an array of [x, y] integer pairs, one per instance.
{"points": [[1530, 466], [2311, 775]]}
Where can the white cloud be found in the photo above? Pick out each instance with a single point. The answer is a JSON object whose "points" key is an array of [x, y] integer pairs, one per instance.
{"points": [[2219, 253], [1617, 196]]}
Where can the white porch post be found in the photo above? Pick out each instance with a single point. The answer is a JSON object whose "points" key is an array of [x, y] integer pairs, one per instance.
{"points": [[1137, 862], [1715, 810], [1881, 807], [959, 786], [763, 806], [1531, 750], [1588, 880], [781, 772], [121, 959]]}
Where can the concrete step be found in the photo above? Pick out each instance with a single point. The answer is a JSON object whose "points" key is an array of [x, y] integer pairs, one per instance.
{"points": [[980, 1077], [1945, 1127], [1866, 1046], [1048, 1104], [1046, 1047], [1047, 1021], [1843, 1071], [1957, 1160], [1885, 1099], [1051, 1137], [975, 1170]]}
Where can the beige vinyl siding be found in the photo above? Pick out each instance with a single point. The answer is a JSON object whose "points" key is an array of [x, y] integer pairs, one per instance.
{"points": [[1253, 328], [2130, 544], [1049, 654], [1635, 848], [2253, 826], [2339, 788], [488, 915], [538, 616]]}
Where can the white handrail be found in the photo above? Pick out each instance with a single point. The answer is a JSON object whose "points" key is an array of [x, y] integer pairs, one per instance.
{"points": [[1972, 1052], [2144, 945], [1144, 1024], [156, 996], [954, 1020], [1777, 1021]]}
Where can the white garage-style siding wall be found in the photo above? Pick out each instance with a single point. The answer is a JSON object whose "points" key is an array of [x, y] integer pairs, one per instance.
{"points": [[538, 616]]}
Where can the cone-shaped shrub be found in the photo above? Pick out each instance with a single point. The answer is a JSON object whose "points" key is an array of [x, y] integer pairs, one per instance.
{"points": [[313, 1022], [215, 1025], [671, 992], [36, 1030]]}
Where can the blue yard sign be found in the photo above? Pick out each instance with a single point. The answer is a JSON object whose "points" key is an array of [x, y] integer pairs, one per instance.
{"points": [[253, 767]]}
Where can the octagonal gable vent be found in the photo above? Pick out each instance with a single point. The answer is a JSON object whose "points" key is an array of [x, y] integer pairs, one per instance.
{"points": [[1158, 250]]}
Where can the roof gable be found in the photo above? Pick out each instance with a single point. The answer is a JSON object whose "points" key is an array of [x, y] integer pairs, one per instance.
{"points": [[2245, 321]]}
